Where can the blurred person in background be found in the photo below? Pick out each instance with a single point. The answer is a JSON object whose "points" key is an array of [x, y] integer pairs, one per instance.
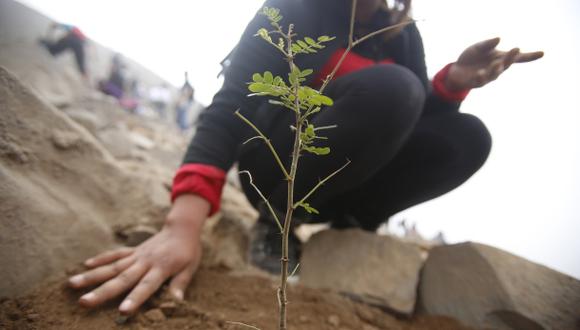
{"points": [[160, 97], [114, 85], [184, 103], [73, 40], [404, 134]]}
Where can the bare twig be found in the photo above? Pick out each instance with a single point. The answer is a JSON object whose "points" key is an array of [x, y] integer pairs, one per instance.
{"points": [[252, 138], [266, 140], [265, 200], [243, 325], [319, 128], [319, 184], [352, 43], [385, 29], [295, 270]]}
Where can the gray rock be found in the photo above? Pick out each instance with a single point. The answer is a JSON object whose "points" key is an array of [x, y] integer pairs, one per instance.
{"points": [[116, 140], [380, 270], [489, 288], [65, 140], [88, 120]]}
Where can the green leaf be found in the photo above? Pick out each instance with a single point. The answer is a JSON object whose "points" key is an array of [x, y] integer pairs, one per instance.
{"points": [[302, 94], [321, 151], [256, 77], [324, 38], [302, 44], [308, 208], [264, 34], [257, 87], [310, 41], [296, 48], [268, 77], [310, 131], [306, 72], [294, 74], [325, 100]]}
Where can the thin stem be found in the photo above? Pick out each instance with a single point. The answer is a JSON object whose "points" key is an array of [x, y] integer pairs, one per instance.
{"points": [[252, 138], [319, 185], [352, 19], [385, 29], [348, 48], [319, 128], [243, 325], [295, 270], [282, 299], [267, 141], [264, 199], [352, 43]]}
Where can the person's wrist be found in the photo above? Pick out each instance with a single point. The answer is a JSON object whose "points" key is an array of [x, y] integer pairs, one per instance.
{"points": [[188, 213], [453, 82]]}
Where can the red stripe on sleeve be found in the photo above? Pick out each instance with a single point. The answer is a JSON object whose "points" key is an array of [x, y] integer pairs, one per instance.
{"points": [[442, 91], [203, 180]]}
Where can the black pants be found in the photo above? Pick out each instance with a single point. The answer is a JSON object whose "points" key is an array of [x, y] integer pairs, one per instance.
{"points": [[399, 157], [72, 42]]}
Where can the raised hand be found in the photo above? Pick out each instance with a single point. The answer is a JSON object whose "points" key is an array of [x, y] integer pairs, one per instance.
{"points": [[174, 252], [482, 63]]}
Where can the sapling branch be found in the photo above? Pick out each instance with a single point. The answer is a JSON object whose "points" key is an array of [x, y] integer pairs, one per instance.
{"points": [[243, 325], [267, 141], [295, 270], [265, 200], [352, 43], [319, 128], [319, 184]]}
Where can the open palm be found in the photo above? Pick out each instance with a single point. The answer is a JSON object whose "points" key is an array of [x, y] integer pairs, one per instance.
{"points": [[482, 63]]}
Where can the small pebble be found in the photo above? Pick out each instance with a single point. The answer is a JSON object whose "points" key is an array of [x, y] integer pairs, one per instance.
{"points": [[155, 315], [334, 320], [121, 319], [168, 308]]}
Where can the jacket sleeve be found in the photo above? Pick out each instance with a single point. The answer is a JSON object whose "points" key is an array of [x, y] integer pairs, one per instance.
{"points": [[220, 132], [438, 99]]}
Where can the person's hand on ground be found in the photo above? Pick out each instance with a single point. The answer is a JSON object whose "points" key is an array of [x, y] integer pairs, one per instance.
{"points": [[482, 63], [174, 252]]}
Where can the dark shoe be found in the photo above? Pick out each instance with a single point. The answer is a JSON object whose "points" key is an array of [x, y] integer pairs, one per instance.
{"points": [[266, 245]]}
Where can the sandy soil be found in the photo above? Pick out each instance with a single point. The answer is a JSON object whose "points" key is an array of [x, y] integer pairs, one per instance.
{"points": [[214, 299]]}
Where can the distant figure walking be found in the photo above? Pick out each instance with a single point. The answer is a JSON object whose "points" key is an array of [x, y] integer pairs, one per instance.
{"points": [[115, 84], [73, 40], [184, 102], [160, 96]]}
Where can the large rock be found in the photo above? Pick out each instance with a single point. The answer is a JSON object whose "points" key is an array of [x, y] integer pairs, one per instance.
{"points": [[489, 288], [227, 234], [380, 270], [61, 192]]}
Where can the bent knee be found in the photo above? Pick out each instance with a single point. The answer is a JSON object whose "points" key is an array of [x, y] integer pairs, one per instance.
{"points": [[393, 84], [389, 92], [477, 137]]}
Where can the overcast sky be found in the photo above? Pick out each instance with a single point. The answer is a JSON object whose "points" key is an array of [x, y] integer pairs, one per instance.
{"points": [[524, 200]]}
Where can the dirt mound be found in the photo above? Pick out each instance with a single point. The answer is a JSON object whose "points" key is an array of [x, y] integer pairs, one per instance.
{"points": [[62, 192], [213, 301]]}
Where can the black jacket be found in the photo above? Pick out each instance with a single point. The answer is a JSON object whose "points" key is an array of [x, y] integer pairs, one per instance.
{"points": [[219, 134]]}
